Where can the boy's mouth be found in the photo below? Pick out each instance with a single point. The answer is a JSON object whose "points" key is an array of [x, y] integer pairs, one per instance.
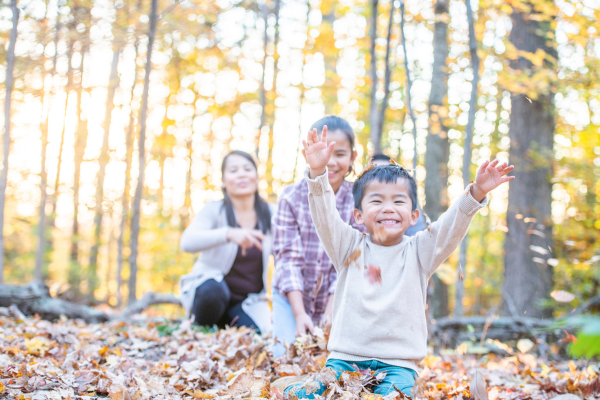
{"points": [[388, 222]]}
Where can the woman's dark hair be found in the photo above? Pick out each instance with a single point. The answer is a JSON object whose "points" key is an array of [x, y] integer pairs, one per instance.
{"points": [[335, 123], [263, 213]]}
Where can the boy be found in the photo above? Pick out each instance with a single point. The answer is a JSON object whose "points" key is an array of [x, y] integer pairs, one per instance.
{"points": [[379, 306]]}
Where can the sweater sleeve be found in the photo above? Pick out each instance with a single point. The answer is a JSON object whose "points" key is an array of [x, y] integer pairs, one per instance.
{"points": [[287, 249], [435, 244], [337, 237], [203, 233]]}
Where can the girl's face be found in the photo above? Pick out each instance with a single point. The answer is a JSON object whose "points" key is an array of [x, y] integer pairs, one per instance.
{"points": [[341, 159], [240, 178]]}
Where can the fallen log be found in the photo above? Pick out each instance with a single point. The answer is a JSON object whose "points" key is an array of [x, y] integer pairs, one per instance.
{"points": [[34, 298], [149, 299]]}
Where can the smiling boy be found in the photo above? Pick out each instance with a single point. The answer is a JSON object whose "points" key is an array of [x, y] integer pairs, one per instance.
{"points": [[379, 306]]}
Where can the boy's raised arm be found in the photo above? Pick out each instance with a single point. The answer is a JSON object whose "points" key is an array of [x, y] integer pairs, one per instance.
{"points": [[337, 237], [435, 244]]}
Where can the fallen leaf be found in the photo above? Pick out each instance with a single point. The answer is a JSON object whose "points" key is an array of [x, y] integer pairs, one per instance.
{"points": [[352, 257], [524, 345], [568, 337], [562, 296], [199, 394], [478, 386], [374, 274], [379, 233]]}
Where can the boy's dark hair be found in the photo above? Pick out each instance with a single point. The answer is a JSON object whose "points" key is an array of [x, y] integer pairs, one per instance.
{"points": [[385, 174], [381, 156]]}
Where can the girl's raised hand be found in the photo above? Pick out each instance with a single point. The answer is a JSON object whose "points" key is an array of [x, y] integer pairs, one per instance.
{"points": [[317, 152]]}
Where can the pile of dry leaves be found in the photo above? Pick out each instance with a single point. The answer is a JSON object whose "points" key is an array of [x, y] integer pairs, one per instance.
{"points": [[69, 359]]}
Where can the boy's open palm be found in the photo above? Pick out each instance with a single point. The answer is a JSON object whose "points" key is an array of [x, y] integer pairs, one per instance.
{"points": [[489, 176], [317, 152]]}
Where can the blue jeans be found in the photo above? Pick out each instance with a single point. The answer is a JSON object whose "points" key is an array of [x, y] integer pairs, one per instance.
{"points": [[402, 378], [284, 323]]}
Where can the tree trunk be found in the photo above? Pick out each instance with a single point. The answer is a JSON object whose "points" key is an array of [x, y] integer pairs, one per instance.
{"points": [[438, 147], [135, 220], [388, 72], [269, 170], [374, 115], [74, 275], [34, 298], [408, 89], [125, 197], [102, 161], [527, 275], [9, 83], [263, 91], [39, 273], [460, 288], [68, 87]]}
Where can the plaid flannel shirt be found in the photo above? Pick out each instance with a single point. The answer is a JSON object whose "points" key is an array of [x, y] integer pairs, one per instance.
{"points": [[300, 260]]}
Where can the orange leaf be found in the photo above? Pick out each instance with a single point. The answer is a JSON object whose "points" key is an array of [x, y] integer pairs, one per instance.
{"points": [[374, 274], [352, 258], [568, 337]]}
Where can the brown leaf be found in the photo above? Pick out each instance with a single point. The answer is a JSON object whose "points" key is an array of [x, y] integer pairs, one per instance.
{"points": [[478, 386], [592, 388], [352, 258], [374, 274], [379, 233]]}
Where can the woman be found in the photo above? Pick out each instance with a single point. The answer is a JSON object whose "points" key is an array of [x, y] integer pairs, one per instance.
{"points": [[227, 284], [304, 280]]}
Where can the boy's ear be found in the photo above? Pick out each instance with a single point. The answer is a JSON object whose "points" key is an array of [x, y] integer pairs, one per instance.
{"points": [[353, 157], [358, 217], [414, 216]]}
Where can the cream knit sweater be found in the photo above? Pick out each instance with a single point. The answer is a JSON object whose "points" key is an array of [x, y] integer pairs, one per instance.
{"points": [[383, 321]]}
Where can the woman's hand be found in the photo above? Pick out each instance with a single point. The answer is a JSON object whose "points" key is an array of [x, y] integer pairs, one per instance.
{"points": [[304, 323], [317, 152], [245, 238]]}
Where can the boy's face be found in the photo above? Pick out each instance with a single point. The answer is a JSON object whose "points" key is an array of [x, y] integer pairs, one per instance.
{"points": [[386, 211]]}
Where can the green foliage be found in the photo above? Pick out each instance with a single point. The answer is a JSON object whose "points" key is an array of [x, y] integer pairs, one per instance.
{"points": [[588, 338]]}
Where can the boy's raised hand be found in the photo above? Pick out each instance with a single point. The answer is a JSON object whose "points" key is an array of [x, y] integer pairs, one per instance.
{"points": [[489, 176], [317, 152]]}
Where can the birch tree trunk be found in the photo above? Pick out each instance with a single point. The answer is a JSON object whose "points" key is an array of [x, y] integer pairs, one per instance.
{"points": [[269, 171], [388, 72], [374, 115], [527, 275], [135, 220], [263, 91], [39, 274], [102, 161], [125, 197], [438, 147], [466, 173], [408, 89], [74, 275], [9, 83]]}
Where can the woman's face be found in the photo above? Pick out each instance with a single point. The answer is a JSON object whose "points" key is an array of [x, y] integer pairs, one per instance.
{"points": [[239, 176], [341, 158]]}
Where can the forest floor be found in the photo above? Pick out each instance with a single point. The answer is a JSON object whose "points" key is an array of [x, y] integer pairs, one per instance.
{"points": [[69, 359]]}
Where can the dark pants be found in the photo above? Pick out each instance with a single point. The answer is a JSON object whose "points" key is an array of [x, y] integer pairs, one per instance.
{"points": [[213, 306]]}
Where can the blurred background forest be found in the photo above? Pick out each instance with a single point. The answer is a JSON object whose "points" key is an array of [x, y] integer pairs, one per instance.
{"points": [[97, 91]]}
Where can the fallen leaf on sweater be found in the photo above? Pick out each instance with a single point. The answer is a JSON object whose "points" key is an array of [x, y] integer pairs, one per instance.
{"points": [[373, 274], [379, 233], [352, 258]]}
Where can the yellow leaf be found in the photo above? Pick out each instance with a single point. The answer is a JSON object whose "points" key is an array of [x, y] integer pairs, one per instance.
{"points": [[103, 350], [198, 394], [2, 388], [37, 344]]}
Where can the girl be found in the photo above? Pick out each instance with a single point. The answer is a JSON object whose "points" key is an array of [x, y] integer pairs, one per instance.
{"points": [[228, 282], [304, 279]]}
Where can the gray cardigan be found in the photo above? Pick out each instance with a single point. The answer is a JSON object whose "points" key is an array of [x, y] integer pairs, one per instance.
{"points": [[208, 234]]}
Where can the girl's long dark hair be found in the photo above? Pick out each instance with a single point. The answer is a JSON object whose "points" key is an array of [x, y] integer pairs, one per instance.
{"points": [[263, 213]]}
